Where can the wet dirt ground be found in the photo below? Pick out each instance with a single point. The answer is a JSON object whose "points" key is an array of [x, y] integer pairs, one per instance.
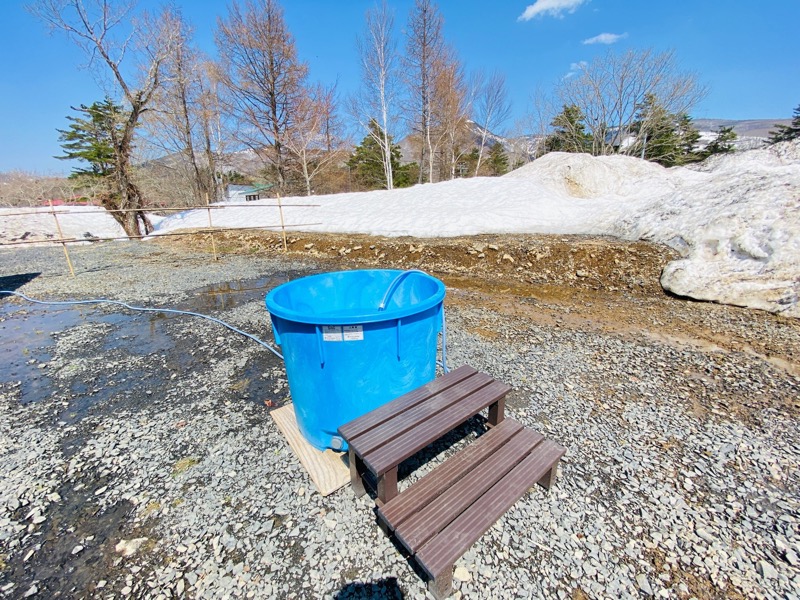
{"points": [[581, 282]]}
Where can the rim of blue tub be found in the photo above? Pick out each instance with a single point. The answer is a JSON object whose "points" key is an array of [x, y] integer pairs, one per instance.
{"points": [[369, 315]]}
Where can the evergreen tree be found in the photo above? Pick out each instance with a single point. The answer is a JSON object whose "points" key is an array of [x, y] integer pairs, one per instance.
{"points": [[366, 162], [723, 143], [656, 133], [497, 160], [688, 138], [785, 133], [666, 138], [469, 162], [405, 175], [569, 134], [92, 138]]}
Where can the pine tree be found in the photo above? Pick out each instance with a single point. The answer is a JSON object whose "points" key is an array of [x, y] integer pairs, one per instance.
{"points": [[92, 137], [688, 138], [406, 175], [570, 132], [656, 132], [366, 162], [723, 143], [666, 138], [497, 160], [785, 133]]}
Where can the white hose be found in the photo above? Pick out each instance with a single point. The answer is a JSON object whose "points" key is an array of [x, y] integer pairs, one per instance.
{"points": [[144, 309]]}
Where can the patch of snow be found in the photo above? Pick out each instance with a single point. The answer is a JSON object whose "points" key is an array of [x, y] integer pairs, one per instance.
{"points": [[77, 222], [585, 176]]}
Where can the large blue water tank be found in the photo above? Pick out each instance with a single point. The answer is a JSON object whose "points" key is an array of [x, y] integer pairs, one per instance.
{"points": [[352, 341]]}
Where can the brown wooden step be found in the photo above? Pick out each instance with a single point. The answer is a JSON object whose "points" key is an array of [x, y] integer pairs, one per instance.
{"points": [[439, 517], [360, 426], [383, 438], [414, 439]]}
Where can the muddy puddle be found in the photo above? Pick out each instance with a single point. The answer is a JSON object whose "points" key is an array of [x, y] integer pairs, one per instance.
{"points": [[28, 336], [29, 333], [74, 549], [222, 296]]}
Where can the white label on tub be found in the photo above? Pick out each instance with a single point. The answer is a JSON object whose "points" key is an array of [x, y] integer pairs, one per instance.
{"points": [[353, 333], [331, 333]]}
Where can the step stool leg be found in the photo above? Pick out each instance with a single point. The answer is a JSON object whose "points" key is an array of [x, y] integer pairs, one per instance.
{"points": [[497, 412], [441, 586], [549, 478], [357, 470], [387, 486]]}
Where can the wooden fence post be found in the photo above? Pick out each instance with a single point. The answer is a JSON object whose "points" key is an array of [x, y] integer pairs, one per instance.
{"points": [[283, 226], [210, 226], [61, 238]]}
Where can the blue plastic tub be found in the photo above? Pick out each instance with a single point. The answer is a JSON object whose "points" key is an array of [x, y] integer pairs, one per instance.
{"points": [[352, 341]]}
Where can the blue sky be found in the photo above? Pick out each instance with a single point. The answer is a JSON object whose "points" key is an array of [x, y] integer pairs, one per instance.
{"points": [[745, 52]]}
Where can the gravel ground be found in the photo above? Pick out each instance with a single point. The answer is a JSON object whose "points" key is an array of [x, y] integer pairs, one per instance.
{"points": [[139, 458]]}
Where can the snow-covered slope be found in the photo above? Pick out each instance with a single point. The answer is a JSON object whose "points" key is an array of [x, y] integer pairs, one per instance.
{"points": [[735, 218], [738, 224]]}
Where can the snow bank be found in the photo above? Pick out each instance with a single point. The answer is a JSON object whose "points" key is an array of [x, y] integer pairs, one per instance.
{"points": [[738, 227], [76, 222], [586, 176], [735, 219]]}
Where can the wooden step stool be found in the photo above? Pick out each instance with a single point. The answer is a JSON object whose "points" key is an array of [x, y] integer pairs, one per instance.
{"points": [[439, 517]]}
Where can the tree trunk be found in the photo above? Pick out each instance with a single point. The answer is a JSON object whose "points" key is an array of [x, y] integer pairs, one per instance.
{"points": [[130, 198]]}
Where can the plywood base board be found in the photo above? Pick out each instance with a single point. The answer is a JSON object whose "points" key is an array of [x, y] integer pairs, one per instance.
{"points": [[328, 470]]}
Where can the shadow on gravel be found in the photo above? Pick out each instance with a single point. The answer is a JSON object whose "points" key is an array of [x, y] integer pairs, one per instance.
{"points": [[383, 588], [474, 427], [10, 283]]}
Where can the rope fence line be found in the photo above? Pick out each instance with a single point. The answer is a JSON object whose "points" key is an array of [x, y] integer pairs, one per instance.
{"points": [[210, 230], [151, 209], [202, 231]]}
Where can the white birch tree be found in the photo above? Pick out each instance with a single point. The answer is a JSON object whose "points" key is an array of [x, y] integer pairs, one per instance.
{"points": [[491, 107], [376, 99]]}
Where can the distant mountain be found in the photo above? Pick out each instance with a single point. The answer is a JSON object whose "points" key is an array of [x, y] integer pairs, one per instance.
{"points": [[241, 161], [744, 128], [517, 148], [751, 133]]}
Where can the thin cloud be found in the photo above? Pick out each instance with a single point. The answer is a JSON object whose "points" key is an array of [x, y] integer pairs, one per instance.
{"points": [[574, 68], [553, 8], [606, 38]]}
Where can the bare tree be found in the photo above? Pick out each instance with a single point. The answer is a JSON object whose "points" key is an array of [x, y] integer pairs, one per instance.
{"points": [[185, 118], [315, 140], [491, 107], [377, 96], [610, 90], [98, 27], [424, 49], [537, 122], [263, 77], [22, 188], [450, 114]]}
